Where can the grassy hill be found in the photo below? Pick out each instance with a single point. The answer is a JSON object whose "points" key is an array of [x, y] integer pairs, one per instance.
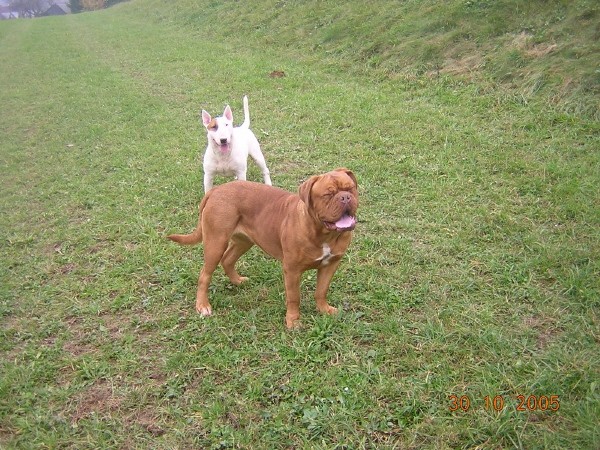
{"points": [[530, 47], [470, 293]]}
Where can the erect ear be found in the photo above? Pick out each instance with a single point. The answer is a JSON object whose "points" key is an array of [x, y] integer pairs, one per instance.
{"points": [[306, 187], [228, 114], [206, 118], [349, 173]]}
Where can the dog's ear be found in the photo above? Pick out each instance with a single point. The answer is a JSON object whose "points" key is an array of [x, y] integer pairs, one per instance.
{"points": [[306, 187], [228, 114], [206, 118], [349, 173]]}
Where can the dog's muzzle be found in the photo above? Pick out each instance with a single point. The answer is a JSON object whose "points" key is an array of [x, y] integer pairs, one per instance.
{"points": [[223, 145], [347, 221]]}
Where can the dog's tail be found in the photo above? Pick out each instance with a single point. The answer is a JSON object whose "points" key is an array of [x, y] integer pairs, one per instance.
{"points": [[246, 123], [195, 236]]}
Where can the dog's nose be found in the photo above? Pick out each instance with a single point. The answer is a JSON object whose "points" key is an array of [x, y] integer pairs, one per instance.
{"points": [[223, 140], [345, 197]]}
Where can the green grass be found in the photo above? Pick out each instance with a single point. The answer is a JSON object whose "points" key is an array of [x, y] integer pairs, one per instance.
{"points": [[473, 272], [535, 48]]}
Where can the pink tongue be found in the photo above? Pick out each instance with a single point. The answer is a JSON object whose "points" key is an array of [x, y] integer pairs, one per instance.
{"points": [[224, 147], [345, 222]]}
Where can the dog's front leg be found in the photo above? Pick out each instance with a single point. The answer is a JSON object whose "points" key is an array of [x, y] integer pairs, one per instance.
{"points": [[240, 174], [208, 181], [267, 177], [324, 275], [292, 296], [258, 157]]}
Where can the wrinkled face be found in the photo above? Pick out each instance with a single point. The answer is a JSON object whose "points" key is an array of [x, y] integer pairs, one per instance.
{"points": [[332, 199]]}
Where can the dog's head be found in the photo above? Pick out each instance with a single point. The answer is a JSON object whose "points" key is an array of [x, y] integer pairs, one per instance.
{"points": [[219, 129], [332, 199]]}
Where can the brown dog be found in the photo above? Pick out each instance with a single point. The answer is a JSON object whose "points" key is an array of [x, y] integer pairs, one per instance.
{"points": [[311, 230]]}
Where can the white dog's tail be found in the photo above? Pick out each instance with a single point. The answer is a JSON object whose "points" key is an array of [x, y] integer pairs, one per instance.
{"points": [[246, 123]]}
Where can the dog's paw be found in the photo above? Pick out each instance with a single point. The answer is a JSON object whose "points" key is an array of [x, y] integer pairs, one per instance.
{"points": [[204, 310], [328, 309], [293, 323], [239, 280]]}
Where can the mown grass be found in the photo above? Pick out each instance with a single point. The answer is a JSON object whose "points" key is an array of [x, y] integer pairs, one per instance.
{"points": [[474, 269]]}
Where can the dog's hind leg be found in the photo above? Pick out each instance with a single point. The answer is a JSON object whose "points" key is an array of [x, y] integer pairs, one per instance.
{"points": [[214, 248], [238, 245]]}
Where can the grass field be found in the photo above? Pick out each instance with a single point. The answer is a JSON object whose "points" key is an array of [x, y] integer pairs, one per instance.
{"points": [[470, 294]]}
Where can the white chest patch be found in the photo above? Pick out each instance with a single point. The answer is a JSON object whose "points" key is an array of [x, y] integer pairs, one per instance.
{"points": [[326, 255]]}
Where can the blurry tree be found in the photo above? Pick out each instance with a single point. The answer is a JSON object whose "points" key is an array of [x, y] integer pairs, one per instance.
{"points": [[75, 6], [92, 5], [28, 8]]}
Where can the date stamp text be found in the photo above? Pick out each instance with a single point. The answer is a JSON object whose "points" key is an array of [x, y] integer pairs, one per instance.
{"points": [[499, 402]]}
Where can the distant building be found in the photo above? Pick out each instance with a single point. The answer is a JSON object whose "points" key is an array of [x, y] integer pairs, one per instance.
{"points": [[63, 5], [46, 8], [54, 10]]}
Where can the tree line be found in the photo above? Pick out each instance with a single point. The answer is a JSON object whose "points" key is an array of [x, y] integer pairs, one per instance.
{"points": [[91, 5], [34, 8]]}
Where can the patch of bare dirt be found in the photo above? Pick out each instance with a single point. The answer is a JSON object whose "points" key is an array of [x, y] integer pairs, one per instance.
{"points": [[76, 348], [101, 399], [148, 422], [97, 399], [545, 329]]}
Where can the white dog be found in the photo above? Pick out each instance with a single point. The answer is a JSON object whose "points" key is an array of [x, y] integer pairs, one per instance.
{"points": [[228, 147]]}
